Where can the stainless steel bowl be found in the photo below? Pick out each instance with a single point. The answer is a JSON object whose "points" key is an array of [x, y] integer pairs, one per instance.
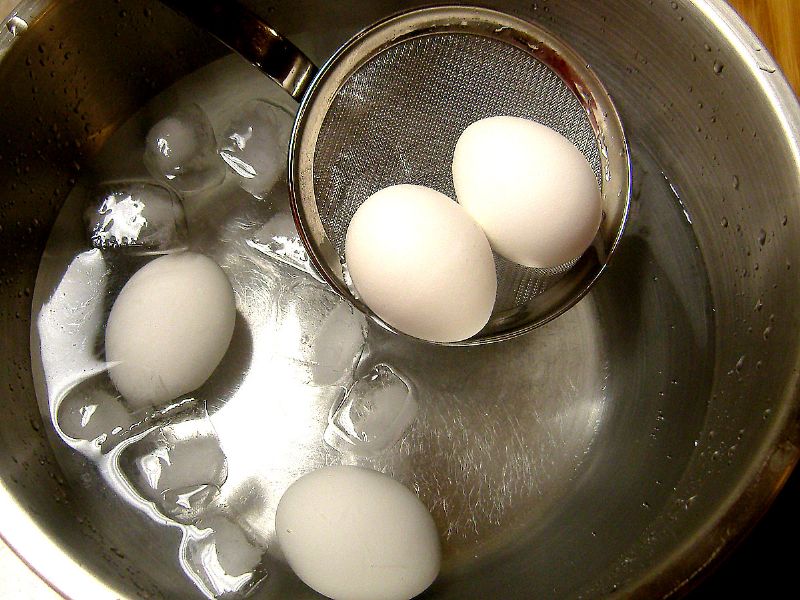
{"points": [[694, 325]]}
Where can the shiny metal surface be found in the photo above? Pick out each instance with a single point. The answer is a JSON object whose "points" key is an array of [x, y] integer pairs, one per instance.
{"points": [[248, 34], [410, 130], [488, 453], [691, 335], [388, 108]]}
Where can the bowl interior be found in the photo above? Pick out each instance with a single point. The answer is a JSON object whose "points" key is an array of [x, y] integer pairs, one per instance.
{"points": [[621, 447]]}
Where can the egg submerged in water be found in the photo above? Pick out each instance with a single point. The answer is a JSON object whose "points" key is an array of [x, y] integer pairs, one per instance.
{"points": [[421, 264], [356, 534], [169, 328], [531, 190]]}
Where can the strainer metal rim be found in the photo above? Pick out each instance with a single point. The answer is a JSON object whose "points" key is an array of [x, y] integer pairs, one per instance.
{"points": [[554, 53]]}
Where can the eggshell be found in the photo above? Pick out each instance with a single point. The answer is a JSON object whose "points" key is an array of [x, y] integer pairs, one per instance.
{"points": [[356, 534], [169, 328], [530, 189], [421, 264]]}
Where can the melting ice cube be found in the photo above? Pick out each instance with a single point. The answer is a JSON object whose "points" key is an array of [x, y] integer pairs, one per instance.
{"points": [[182, 149], [374, 414], [220, 558], [142, 217], [318, 330], [338, 344], [255, 144], [92, 410], [186, 504], [279, 240], [168, 461]]}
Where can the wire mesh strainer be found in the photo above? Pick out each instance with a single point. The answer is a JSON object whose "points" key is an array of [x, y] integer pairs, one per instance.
{"points": [[388, 108]]}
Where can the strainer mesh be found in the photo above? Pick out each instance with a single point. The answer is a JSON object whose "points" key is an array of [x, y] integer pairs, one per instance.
{"points": [[398, 117]]}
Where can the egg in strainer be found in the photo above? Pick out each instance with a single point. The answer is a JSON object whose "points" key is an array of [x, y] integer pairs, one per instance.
{"points": [[389, 107]]}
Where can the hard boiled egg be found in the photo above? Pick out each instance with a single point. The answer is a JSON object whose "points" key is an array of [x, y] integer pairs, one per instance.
{"points": [[530, 189], [421, 264], [356, 534], [169, 328]]}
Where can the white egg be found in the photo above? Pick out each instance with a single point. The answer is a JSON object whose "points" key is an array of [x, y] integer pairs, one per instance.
{"points": [[421, 263], [169, 328], [530, 189], [356, 534]]}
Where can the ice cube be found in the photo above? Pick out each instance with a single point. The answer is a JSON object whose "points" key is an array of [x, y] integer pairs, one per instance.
{"points": [[278, 239], [92, 410], [185, 505], [182, 149], [374, 415], [255, 145], [219, 557], [319, 331], [339, 344], [141, 217], [167, 460], [302, 306]]}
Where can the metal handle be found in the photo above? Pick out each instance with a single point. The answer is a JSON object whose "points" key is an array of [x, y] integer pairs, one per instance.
{"points": [[246, 33]]}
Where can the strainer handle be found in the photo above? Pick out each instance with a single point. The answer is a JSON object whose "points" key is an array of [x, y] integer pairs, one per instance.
{"points": [[246, 33]]}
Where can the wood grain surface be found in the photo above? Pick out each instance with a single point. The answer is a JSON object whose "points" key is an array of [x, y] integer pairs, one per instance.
{"points": [[777, 23]]}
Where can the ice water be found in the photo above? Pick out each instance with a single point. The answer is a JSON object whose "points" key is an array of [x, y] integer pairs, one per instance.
{"points": [[489, 438], [178, 189]]}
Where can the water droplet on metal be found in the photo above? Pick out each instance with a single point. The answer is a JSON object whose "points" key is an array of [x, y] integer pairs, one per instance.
{"points": [[16, 25]]}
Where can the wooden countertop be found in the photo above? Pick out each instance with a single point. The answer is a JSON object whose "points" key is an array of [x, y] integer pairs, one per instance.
{"points": [[777, 23]]}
